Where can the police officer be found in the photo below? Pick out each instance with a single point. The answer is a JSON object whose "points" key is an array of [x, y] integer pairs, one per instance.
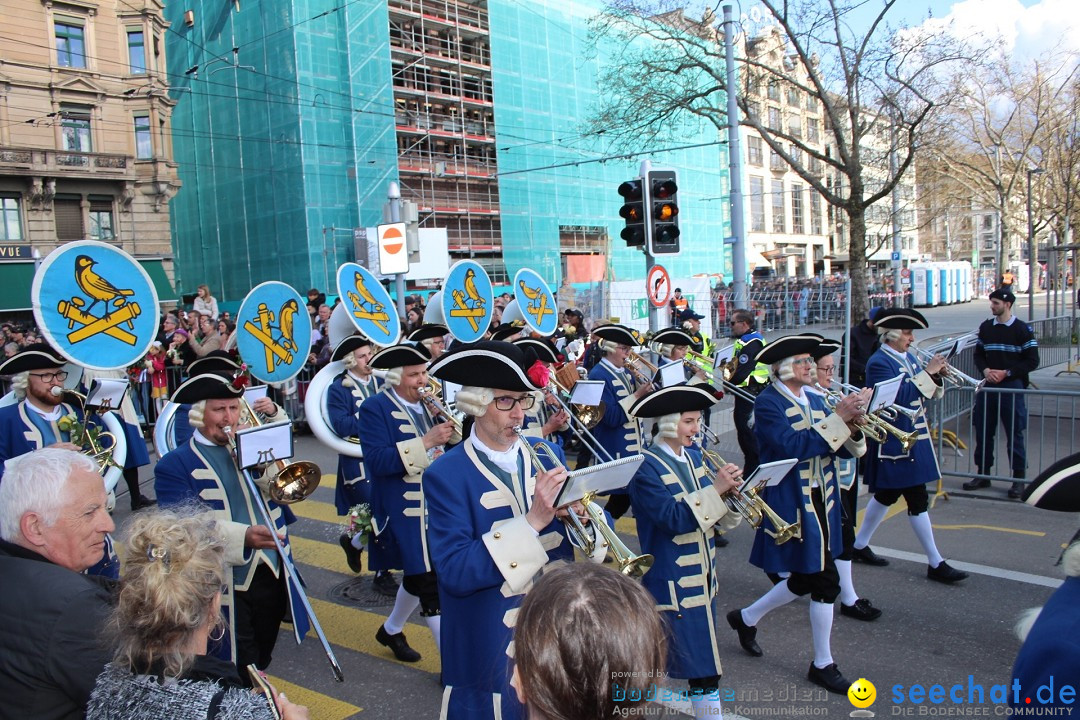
{"points": [[750, 375]]}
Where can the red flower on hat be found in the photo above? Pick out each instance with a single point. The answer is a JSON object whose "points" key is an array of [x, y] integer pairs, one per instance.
{"points": [[241, 379], [539, 373]]}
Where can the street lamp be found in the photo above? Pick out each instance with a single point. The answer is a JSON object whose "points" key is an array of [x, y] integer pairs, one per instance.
{"points": [[1031, 247]]}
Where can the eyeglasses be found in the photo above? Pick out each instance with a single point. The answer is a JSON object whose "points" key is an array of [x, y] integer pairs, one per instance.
{"points": [[827, 370], [803, 361], [60, 375], [507, 402]]}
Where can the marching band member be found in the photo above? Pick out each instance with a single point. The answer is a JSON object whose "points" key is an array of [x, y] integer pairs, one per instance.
{"points": [[547, 418], [851, 605], [790, 423], [678, 509], [750, 375], [891, 472], [617, 432], [34, 422], [492, 527], [256, 598], [401, 436], [432, 336], [674, 344]]}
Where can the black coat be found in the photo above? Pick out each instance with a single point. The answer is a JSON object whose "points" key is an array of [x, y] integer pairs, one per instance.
{"points": [[51, 649]]}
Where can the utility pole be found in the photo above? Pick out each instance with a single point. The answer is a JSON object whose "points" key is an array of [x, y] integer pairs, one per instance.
{"points": [[738, 227], [393, 211]]}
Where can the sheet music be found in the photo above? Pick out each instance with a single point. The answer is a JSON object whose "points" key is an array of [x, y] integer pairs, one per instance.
{"points": [[263, 444], [769, 474], [602, 478], [672, 374], [587, 392], [254, 392], [885, 393], [106, 392]]}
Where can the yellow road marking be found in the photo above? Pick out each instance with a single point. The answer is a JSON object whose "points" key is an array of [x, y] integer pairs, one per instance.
{"points": [[1017, 531], [321, 511], [897, 507], [320, 706], [355, 629]]}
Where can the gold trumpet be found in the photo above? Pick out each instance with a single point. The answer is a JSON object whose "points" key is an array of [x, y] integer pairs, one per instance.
{"points": [[696, 361], [873, 425], [295, 481], [588, 415], [750, 505], [629, 563], [642, 369], [950, 374], [434, 403]]}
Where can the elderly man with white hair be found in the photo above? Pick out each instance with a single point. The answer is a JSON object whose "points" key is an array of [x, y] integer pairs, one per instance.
{"points": [[53, 525], [792, 423]]}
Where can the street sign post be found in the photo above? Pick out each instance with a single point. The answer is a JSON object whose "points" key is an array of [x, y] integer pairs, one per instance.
{"points": [[393, 254], [658, 286]]}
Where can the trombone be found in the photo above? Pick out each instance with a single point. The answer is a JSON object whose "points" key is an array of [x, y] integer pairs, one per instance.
{"points": [[749, 504], [697, 361], [588, 418], [432, 399], [873, 425], [629, 563], [642, 369], [295, 481]]}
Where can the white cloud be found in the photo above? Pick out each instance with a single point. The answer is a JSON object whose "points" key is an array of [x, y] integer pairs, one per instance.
{"points": [[1025, 32]]}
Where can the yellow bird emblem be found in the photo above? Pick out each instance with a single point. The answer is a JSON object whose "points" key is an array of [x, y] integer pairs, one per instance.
{"points": [[97, 287], [470, 288]]}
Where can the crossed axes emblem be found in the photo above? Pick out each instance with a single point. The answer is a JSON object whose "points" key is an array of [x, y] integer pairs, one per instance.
{"points": [[366, 307], [275, 353], [474, 312], [98, 289], [537, 306]]}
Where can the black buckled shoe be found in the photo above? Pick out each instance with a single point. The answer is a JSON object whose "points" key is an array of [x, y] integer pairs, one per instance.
{"points": [[142, 502], [385, 584], [352, 555], [866, 556], [862, 609], [1016, 490], [828, 677], [747, 634], [945, 573], [398, 645], [979, 483]]}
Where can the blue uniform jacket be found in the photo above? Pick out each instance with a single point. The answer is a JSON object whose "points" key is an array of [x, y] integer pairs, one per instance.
{"points": [[343, 399], [888, 467], [395, 460], [486, 556], [676, 526], [184, 475], [783, 431], [617, 432], [1050, 656]]}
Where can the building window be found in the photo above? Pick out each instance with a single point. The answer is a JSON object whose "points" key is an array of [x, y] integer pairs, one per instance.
{"points": [[774, 89], [795, 126], [779, 222], [753, 109], [68, 214], [757, 204], [10, 219], [797, 226], [136, 52], [793, 97], [75, 129], [101, 219], [815, 212], [774, 119], [754, 154], [70, 44], [144, 149], [812, 130], [988, 222]]}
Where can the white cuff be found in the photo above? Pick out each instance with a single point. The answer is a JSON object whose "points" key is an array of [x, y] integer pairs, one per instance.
{"points": [[834, 430], [414, 455], [925, 384], [235, 552], [517, 551], [857, 448], [707, 506]]}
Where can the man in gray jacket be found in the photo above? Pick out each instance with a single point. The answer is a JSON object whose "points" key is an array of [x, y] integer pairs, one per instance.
{"points": [[53, 524]]}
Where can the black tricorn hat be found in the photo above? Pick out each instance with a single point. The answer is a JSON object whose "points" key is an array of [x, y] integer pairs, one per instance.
{"points": [[617, 333], [901, 319], [673, 336], [207, 386], [217, 362], [38, 356], [400, 355], [789, 346], [489, 363], [1057, 487], [506, 330], [675, 399], [348, 345], [543, 348], [826, 348], [428, 331]]}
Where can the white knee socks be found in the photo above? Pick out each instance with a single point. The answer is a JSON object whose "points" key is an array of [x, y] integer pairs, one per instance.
{"points": [[706, 708], [434, 623], [357, 541], [875, 513], [821, 617], [921, 525], [777, 597], [404, 604], [848, 596]]}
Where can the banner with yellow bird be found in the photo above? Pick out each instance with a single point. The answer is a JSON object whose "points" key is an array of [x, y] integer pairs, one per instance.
{"points": [[467, 300], [95, 304], [273, 332], [535, 302], [368, 304]]}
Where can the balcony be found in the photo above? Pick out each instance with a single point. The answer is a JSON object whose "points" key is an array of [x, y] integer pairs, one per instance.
{"points": [[61, 163]]}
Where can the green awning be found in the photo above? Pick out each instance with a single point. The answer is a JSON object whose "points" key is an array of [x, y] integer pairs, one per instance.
{"points": [[15, 282], [156, 271]]}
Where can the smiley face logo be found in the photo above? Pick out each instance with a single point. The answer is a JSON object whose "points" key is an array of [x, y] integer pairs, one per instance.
{"points": [[862, 693]]}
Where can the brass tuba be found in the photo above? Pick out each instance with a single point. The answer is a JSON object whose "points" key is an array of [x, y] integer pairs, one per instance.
{"points": [[629, 563]]}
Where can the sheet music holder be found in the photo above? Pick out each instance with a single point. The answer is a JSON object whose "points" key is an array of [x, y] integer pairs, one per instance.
{"points": [[724, 354], [671, 374], [263, 444], [769, 474], [885, 393], [449, 391], [106, 393], [603, 478], [587, 392], [254, 392]]}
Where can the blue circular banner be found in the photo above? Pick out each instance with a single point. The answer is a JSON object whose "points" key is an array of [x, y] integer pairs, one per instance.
{"points": [[536, 302], [96, 305], [273, 332], [369, 304], [467, 298]]}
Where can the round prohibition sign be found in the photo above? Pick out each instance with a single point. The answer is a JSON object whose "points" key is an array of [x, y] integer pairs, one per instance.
{"points": [[658, 286]]}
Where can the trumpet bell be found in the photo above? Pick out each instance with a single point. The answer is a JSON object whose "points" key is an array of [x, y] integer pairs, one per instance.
{"points": [[295, 482]]}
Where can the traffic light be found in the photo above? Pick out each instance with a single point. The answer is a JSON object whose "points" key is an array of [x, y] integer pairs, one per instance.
{"points": [[663, 189], [633, 212]]}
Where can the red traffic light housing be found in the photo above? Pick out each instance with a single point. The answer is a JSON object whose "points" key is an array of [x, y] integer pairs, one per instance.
{"points": [[664, 232], [633, 212]]}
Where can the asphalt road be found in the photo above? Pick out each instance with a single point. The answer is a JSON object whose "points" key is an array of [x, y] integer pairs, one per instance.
{"points": [[929, 633]]}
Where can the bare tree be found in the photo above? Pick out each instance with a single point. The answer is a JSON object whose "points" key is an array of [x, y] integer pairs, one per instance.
{"points": [[877, 87], [1060, 196]]}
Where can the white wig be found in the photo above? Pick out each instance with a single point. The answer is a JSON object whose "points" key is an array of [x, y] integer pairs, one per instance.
{"points": [[393, 376], [349, 361], [666, 350], [36, 482], [888, 335], [783, 370], [20, 383], [668, 425], [608, 346], [473, 400], [196, 413]]}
